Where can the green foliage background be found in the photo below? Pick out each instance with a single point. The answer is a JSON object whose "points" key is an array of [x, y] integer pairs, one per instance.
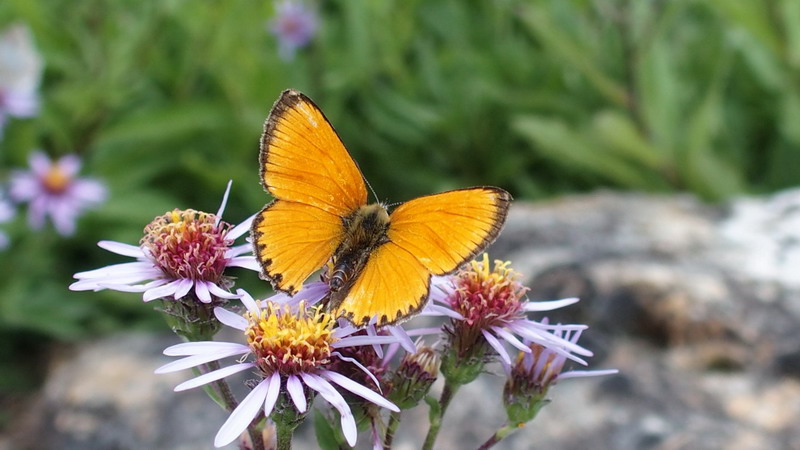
{"points": [[165, 101]]}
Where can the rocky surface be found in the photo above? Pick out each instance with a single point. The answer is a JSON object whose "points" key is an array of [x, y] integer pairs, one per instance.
{"points": [[698, 306]]}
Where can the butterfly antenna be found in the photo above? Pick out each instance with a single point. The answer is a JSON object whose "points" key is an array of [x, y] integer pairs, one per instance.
{"points": [[370, 188]]}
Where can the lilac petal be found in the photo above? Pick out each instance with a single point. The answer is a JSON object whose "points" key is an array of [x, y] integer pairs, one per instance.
{"points": [[511, 339], [549, 305], [403, 337], [372, 332], [131, 288], [238, 250], [272, 393], [39, 163], [354, 341], [144, 268], [586, 373], [230, 319], [246, 262], [497, 346], [167, 290], [438, 310], [183, 288], [213, 376], [70, 165], [360, 366], [121, 249], [196, 360], [241, 417], [313, 292], [528, 329], [202, 348], [295, 388], [241, 229], [248, 302], [424, 331], [201, 289], [334, 398], [345, 329], [219, 292], [360, 390], [224, 202]]}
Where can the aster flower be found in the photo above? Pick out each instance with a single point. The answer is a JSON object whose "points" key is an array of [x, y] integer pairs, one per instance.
{"points": [[530, 378], [181, 251], [6, 213], [20, 73], [493, 310], [292, 350], [295, 24], [53, 189]]}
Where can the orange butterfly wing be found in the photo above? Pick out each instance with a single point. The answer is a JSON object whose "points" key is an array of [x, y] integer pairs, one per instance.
{"points": [[316, 183], [434, 234]]}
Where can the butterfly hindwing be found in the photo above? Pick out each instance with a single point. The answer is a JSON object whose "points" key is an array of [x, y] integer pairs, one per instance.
{"points": [[392, 286], [446, 230], [293, 240], [303, 160]]}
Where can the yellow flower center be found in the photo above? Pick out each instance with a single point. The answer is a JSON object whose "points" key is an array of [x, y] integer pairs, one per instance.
{"points": [[55, 180], [289, 342]]}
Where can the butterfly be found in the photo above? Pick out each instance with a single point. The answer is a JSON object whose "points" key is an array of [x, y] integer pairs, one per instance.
{"points": [[379, 263]]}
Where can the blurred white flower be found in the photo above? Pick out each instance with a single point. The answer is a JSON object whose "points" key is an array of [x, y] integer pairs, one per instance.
{"points": [[20, 74]]}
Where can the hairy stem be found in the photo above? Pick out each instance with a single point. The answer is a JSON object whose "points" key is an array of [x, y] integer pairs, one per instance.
{"points": [[391, 427], [448, 392], [498, 436]]}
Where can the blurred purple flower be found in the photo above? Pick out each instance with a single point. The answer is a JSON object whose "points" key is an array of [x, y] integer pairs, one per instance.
{"points": [[294, 24], [54, 189], [6, 213], [20, 73]]}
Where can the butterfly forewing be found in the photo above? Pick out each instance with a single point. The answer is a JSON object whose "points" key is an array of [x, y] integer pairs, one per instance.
{"points": [[303, 160], [316, 183]]}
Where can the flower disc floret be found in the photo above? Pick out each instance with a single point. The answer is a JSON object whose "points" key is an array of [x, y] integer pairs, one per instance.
{"points": [[290, 342], [486, 296], [188, 244]]}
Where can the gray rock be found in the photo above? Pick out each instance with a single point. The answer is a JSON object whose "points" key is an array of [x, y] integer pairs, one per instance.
{"points": [[697, 306]]}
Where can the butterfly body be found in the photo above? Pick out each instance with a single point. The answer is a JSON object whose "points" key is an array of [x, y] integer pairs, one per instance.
{"points": [[365, 230], [379, 264]]}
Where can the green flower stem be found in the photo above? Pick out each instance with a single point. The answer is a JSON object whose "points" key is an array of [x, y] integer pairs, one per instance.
{"points": [[284, 432], [391, 427], [448, 392], [499, 435]]}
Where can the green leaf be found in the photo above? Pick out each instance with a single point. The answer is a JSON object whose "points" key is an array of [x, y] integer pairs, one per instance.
{"points": [[326, 435]]}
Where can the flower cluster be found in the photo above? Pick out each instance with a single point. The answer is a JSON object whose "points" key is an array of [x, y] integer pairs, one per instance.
{"points": [[295, 350], [20, 73], [295, 24]]}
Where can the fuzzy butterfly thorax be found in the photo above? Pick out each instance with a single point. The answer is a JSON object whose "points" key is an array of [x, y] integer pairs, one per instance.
{"points": [[379, 264], [365, 230]]}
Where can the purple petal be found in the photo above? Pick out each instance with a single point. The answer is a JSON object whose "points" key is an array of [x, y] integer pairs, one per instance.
{"points": [[39, 163], [439, 310], [203, 348], [248, 302], [241, 417], [354, 341], [219, 292], [403, 337], [497, 346], [360, 366], [201, 289], [224, 202], [70, 165], [213, 376], [167, 290], [272, 394], [295, 388], [230, 319], [241, 229], [334, 398], [360, 390], [130, 268], [183, 288], [121, 249], [511, 339], [196, 360], [549, 305], [246, 262], [586, 373]]}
